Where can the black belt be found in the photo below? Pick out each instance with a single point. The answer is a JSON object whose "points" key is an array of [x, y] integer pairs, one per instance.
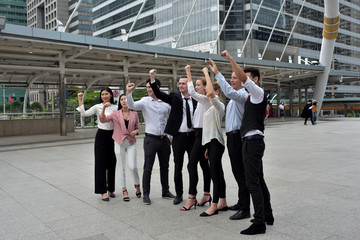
{"points": [[186, 133], [256, 136], [233, 132], [155, 136]]}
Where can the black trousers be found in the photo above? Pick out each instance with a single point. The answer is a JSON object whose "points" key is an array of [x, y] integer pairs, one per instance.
{"points": [[105, 162], [198, 155], [215, 152], [161, 147], [234, 145], [182, 142], [253, 151], [312, 121]]}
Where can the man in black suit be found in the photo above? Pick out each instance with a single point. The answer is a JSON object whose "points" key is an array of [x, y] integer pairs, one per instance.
{"points": [[179, 125]]}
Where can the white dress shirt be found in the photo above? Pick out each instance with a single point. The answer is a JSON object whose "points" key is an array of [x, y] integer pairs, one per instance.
{"points": [[183, 127], [256, 97], [155, 113], [202, 106], [96, 109], [212, 122]]}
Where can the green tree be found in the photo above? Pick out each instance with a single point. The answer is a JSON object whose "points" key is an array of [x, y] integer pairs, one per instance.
{"points": [[15, 106], [36, 107]]}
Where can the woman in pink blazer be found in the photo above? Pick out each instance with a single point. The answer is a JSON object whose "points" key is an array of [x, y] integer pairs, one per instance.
{"points": [[126, 126]]}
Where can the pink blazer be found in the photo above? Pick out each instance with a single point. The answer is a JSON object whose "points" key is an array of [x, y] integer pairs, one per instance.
{"points": [[120, 130]]}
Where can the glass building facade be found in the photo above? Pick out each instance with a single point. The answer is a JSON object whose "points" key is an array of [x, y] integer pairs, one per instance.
{"points": [[14, 11], [161, 23], [45, 13]]}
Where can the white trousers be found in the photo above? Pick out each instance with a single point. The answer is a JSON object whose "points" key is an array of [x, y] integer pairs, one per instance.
{"points": [[120, 151]]}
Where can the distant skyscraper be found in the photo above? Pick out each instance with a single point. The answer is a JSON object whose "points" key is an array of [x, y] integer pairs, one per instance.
{"points": [[44, 13], [14, 11], [161, 23]]}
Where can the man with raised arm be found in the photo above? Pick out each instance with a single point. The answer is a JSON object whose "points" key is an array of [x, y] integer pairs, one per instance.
{"points": [[155, 113], [233, 118], [252, 134], [179, 125]]}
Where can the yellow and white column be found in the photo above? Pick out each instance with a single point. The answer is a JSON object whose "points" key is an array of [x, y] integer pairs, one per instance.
{"points": [[330, 32]]}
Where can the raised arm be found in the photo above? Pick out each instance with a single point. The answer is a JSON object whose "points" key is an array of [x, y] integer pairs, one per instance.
{"points": [[130, 101], [81, 108], [227, 89], [209, 87], [158, 94], [240, 74], [198, 97]]}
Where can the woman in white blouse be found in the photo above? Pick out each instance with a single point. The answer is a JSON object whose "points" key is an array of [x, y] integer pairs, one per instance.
{"points": [[213, 141], [105, 160], [198, 150]]}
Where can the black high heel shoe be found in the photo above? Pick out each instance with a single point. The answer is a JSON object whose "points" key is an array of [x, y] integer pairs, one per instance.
{"points": [[126, 199], [187, 209], [203, 203], [138, 194]]}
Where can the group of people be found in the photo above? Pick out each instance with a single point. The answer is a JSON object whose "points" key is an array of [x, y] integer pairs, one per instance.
{"points": [[310, 111], [189, 121]]}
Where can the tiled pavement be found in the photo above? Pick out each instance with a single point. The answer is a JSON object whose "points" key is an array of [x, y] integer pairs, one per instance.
{"points": [[313, 174]]}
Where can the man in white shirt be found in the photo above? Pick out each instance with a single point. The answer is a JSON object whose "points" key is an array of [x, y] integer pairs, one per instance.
{"points": [[252, 133], [155, 113]]}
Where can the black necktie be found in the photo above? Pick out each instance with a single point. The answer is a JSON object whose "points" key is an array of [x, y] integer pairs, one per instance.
{"points": [[188, 116]]}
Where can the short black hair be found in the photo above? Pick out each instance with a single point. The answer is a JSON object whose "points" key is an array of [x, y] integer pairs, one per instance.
{"points": [[109, 91], [157, 82], [253, 71]]}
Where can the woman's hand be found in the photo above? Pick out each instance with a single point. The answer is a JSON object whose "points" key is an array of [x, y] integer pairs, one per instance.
{"points": [[107, 104], [206, 154], [133, 133]]}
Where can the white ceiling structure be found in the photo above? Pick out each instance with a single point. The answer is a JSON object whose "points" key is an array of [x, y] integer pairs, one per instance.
{"points": [[38, 56]]}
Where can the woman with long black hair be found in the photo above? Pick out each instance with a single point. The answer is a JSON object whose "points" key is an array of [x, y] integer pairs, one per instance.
{"points": [[105, 160]]}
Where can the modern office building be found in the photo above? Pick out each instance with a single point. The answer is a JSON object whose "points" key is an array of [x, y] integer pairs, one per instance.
{"points": [[195, 24], [14, 11], [48, 14], [45, 13]]}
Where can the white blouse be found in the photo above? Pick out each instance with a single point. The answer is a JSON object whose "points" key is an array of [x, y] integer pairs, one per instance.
{"points": [[212, 122], [96, 109], [202, 106]]}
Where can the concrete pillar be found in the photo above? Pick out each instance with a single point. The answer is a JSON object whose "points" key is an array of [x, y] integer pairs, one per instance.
{"points": [[62, 96], [278, 97], [299, 101], [291, 95]]}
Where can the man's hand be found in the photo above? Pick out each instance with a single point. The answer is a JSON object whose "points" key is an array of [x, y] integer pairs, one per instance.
{"points": [[225, 55], [130, 87], [80, 95], [213, 67], [152, 74], [187, 68]]}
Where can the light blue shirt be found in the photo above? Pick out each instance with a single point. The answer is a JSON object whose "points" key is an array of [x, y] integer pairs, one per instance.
{"points": [[235, 108]]}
